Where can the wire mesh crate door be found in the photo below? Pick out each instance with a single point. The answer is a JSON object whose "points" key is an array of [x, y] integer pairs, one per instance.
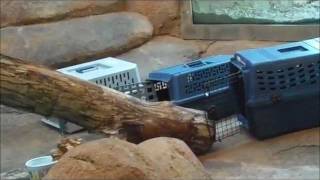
{"points": [[227, 127]]}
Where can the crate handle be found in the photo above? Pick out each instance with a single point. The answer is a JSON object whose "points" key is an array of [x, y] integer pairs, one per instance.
{"points": [[87, 69], [293, 49], [195, 64]]}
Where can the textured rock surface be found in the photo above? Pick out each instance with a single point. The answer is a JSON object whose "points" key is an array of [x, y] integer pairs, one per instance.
{"points": [[230, 47], [164, 51], [114, 159], [164, 14], [16, 12], [174, 158], [110, 159], [73, 41], [291, 156]]}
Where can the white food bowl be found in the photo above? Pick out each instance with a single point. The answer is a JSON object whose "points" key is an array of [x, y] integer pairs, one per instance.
{"points": [[38, 167]]}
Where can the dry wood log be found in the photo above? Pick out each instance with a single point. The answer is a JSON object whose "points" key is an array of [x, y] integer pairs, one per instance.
{"points": [[50, 93]]}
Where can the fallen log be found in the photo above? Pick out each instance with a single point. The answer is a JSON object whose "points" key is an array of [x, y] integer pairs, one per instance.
{"points": [[49, 93]]}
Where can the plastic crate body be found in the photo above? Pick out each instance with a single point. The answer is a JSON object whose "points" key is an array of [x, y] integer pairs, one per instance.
{"points": [[199, 83], [281, 87], [218, 105], [108, 72]]}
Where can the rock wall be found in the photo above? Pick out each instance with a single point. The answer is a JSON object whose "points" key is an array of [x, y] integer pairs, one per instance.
{"points": [[76, 40], [60, 33], [17, 12], [164, 14]]}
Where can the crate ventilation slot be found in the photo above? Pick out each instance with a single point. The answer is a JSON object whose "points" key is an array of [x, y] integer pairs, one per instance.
{"points": [[288, 78]]}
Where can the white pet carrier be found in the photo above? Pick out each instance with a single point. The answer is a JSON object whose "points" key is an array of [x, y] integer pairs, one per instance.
{"points": [[110, 72]]}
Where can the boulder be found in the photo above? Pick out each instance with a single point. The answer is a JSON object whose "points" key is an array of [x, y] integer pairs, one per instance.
{"points": [[230, 47], [164, 14], [164, 51], [76, 40], [175, 159], [35, 11], [109, 159], [114, 159]]}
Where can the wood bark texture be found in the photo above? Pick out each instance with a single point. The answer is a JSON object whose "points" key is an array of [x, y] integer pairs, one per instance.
{"points": [[50, 93]]}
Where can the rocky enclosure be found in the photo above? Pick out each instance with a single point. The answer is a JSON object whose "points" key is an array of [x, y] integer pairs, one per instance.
{"points": [[65, 32], [59, 33], [164, 14], [16, 12]]}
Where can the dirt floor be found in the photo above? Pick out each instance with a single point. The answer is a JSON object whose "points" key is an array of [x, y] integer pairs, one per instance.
{"points": [[25, 136], [292, 156]]}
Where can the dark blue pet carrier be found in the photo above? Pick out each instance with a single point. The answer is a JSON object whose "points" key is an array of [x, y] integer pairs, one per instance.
{"points": [[204, 84], [281, 87]]}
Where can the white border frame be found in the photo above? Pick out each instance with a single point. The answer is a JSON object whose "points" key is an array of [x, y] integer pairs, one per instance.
{"points": [[242, 31]]}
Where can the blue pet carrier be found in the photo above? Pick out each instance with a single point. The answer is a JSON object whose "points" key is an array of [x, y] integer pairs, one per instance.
{"points": [[203, 84], [281, 87]]}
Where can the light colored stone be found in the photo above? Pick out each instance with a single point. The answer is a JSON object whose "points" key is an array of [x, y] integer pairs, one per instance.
{"points": [[175, 159], [110, 159], [230, 47], [164, 51], [114, 159], [16, 12], [76, 40], [164, 14]]}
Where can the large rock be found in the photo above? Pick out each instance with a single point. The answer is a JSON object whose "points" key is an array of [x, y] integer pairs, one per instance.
{"points": [[175, 159], [72, 41], [164, 51], [109, 159], [114, 159], [230, 47], [164, 14], [15, 12]]}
